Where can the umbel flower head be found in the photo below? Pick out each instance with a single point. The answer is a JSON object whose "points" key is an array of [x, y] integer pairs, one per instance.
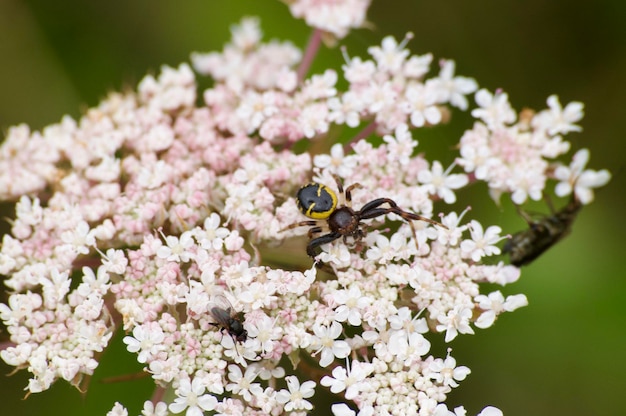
{"points": [[148, 209]]}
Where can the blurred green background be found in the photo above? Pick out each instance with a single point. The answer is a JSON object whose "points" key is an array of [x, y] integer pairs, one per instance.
{"points": [[563, 354]]}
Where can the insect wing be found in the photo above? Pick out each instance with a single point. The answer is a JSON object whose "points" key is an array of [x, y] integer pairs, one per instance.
{"points": [[221, 310]]}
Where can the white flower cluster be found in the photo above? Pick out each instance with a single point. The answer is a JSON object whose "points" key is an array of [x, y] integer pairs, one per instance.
{"points": [[512, 157], [161, 207]]}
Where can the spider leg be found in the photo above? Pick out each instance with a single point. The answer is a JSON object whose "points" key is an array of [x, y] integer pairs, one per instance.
{"points": [[309, 223], [319, 241], [377, 212], [347, 193], [338, 182], [316, 230], [372, 210]]}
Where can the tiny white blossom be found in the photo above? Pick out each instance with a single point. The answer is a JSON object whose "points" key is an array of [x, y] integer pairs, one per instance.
{"points": [[263, 334], [81, 237], [118, 410], [494, 304], [342, 409], [495, 109], [259, 295], [114, 261], [176, 249], [384, 249], [559, 120], [348, 379], [453, 89], [401, 144], [55, 287], [150, 409], [337, 254], [190, 396], [242, 384], [29, 211], [421, 104], [481, 244], [336, 161], [440, 183], [454, 231], [212, 235], [351, 303], [490, 411], [325, 340], [93, 284], [455, 321], [390, 55], [405, 322], [442, 410], [294, 398], [408, 347], [147, 340], [575, 178], [446, 372]]}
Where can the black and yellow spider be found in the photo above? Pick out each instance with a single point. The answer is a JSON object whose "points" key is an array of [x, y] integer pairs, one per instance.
{"points": [[319, 202]]}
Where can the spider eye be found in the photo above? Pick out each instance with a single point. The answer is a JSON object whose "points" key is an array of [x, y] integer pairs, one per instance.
{"points": [[316, 201]]}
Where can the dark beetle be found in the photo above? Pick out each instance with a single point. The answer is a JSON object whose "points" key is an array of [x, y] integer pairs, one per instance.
{"points": [[525, 246]]}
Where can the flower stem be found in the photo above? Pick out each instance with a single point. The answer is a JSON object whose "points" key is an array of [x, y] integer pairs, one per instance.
{"points": [[311, 50]]}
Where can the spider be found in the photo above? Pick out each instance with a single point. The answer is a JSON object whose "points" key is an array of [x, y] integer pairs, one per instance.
{"points": [[330, 222]]}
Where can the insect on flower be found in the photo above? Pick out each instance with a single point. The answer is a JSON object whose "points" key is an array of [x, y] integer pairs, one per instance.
{"points": [[525, 246], [226, 319], [330, 221]]}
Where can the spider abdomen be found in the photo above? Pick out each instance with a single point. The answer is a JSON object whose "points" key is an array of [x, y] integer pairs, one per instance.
{"points": [[316, 201]]}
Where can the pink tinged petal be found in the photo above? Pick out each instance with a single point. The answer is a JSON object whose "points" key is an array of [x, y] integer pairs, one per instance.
{"points": [[584, 195], [460, 373], [419, 344], [447, 195], [194, 411], [492, 234], [207, 402], [326, 357], [491, 411], [587, 181], [178, 406], [580, 160], [519, 196], [486, 319], [418, 119], [515, 301], [457, 181], [352, 392], [307, 389], [341, 349], [336, 384], [432, 115], [593, 179], [342, 409], [563, 189], [283, 396]]}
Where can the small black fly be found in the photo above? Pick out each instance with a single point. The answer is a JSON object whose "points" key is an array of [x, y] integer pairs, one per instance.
{"points": [[525, 246], [227, 319]]}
